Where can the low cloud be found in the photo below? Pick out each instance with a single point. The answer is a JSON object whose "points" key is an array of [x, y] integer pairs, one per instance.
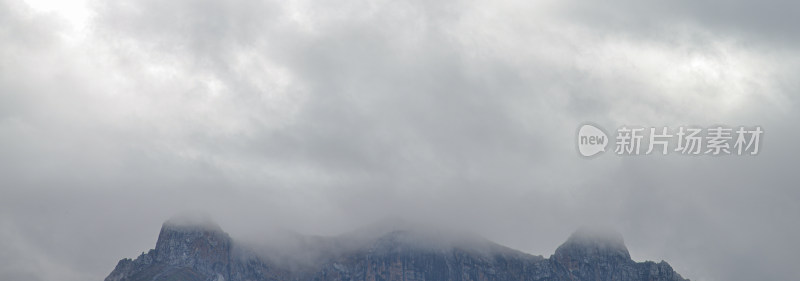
{"points": [[321, 118]]}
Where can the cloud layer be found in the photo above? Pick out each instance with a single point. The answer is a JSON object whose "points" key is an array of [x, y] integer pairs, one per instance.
{"points": [[323, 117]]}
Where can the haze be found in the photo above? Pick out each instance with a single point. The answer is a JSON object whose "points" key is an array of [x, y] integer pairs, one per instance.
{"points": [[321, 117]]}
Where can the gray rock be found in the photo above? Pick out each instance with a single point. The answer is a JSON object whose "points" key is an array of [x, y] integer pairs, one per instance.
{"points": [[203, 252]]}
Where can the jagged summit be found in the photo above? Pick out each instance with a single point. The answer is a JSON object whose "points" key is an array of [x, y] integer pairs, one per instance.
{"points": [[593, 242], [188, 248], [184, 240], [600, 254], [198, 250]]}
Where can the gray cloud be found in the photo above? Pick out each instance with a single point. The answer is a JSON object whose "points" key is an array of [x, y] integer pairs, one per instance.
{"points": [[321, 118], [766, 22]]}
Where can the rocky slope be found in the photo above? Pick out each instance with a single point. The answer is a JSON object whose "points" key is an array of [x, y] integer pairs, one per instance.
{"points": [[203, 252]]}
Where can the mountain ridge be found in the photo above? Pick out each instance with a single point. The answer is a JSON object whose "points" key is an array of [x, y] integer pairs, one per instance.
{"points": [[204, 252]]}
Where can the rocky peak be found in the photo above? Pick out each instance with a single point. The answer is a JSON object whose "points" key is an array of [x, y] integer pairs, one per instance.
{"points": [[597, 254], [594, 243], [187, 243], [186, 249], [200, 251]]}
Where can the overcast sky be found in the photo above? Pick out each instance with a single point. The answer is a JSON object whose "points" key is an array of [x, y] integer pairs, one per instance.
{"points": [[322, 116]]}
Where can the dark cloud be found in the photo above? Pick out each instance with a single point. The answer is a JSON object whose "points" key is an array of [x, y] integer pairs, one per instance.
{"points": [[764, 22]]}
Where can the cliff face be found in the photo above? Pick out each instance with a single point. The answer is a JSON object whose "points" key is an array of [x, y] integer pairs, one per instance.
{"points": [[206, 253], [192, 252], [183, 252], [591, 255]]}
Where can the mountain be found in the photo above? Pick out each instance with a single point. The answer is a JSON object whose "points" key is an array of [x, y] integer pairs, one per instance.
{"points": [[201, 251]]}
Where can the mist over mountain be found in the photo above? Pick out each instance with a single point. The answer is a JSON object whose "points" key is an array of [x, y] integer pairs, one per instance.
{"points": [[392, 250]]}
